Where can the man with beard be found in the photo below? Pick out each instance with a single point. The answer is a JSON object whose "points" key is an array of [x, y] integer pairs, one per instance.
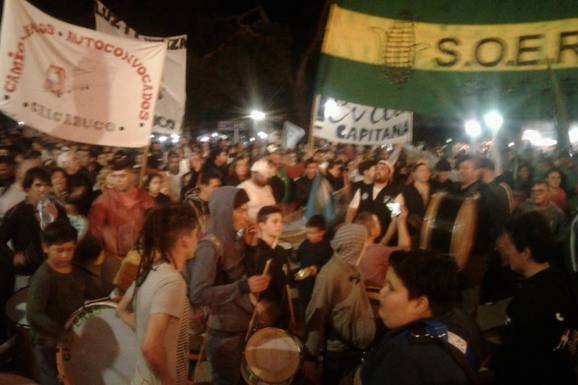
{"points": [[374, 198], [257, 188]]}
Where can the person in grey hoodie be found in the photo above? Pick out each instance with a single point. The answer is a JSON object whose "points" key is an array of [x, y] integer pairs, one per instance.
{"points": [[339, 318], [218, 281]]}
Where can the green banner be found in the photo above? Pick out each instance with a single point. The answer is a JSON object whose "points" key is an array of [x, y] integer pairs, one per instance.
{"points": [[460, 60]]}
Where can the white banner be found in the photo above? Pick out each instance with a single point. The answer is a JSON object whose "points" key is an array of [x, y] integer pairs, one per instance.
{"points": [[170, 107], [74, 83], [339, 121]]}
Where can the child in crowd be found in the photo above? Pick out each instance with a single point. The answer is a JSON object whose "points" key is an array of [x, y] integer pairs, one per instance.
{"points": [[58, 288], [272, 306], [312, 254]]}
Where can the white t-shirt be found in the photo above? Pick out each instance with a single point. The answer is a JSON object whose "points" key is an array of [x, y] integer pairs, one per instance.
{"points": [[163, 291], [354, 204], [258, 197]]}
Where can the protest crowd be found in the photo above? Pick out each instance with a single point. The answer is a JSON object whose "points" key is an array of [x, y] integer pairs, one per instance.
{"points": [[214, 249]]}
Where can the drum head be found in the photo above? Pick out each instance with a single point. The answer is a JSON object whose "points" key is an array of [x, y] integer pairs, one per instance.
{"points": [[16, 308], [14, 379], [99, 349], [273, 355]]}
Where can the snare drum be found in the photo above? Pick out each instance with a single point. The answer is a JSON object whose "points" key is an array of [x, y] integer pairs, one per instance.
{"points": [[21, 341], [16, 308], [98, 349], [272, 356]]}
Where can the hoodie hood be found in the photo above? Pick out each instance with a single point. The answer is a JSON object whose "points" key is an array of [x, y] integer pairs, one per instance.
{"points": [[349, 242], [221, 206]]}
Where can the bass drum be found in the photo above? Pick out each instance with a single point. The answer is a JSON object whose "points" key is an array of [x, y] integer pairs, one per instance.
{"points": [[98, 349], [272, 356], [449, 226]]}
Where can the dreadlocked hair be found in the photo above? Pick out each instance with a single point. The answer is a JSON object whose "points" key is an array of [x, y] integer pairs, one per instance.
{"points": [[162, 227]]}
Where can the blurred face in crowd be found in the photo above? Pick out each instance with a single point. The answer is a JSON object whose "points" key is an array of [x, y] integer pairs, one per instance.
{"points": [[6, 171], [369, 174], [382, 173], [336, 171], [196, 161], [123, 180], [273, 226], [515, 259], [221, 159], [208, 190], [102, 159], [422, 173], [58, 180], [38, 190], [314, 234], [523, 173], [554, 179], [396, 308], [72, 164], [241, 217], [242, 168], [311, 170], [468, 173], [83, 157], [173, 164], [442, 176], [259, 179], [540, 194], [155, 186], [59, 256]]}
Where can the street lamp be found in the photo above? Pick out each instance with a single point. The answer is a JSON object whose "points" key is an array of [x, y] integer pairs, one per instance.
{"points": [[494, 120], [257, 115], [473, 128]]}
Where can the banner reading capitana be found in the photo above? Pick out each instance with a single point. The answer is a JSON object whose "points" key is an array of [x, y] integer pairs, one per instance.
{"points": [[442, 59], [170, 106], [340, 121], [74, 83]]}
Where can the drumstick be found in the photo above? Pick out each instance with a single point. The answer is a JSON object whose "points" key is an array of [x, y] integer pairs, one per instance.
{"points": [[289, 299], [254, 315]]}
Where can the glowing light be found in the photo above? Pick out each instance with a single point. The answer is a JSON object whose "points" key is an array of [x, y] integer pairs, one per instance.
{"points": [[449, 140], [262, 135], [511, 144], [162, 138], [204, 139], [330, 108], [473, 128], [251, 139], [573, 134], [257, 115], [21, 123], [214, 134], [494, 120], [536, 139]]}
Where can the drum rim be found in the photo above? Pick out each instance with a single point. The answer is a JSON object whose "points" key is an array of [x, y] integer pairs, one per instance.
{"points": [[17, 324], [300, 350], [106, 302]]}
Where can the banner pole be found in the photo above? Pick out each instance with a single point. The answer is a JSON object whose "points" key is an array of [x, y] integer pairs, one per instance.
{"points": [[143, 166], [562, 124], [315, 107]]}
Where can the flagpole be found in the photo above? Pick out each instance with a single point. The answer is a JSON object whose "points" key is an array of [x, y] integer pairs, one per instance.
{"points": [[562, 124], [314, 108], [144, 164]]}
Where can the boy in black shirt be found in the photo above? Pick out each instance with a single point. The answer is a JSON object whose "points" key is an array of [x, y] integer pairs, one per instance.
{"points": [[58, 288], [312, 254]]}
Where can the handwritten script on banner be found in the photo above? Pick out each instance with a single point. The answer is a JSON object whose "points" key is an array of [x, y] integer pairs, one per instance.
{"points": [[75, 83], [339, 121], [170, 107]]}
